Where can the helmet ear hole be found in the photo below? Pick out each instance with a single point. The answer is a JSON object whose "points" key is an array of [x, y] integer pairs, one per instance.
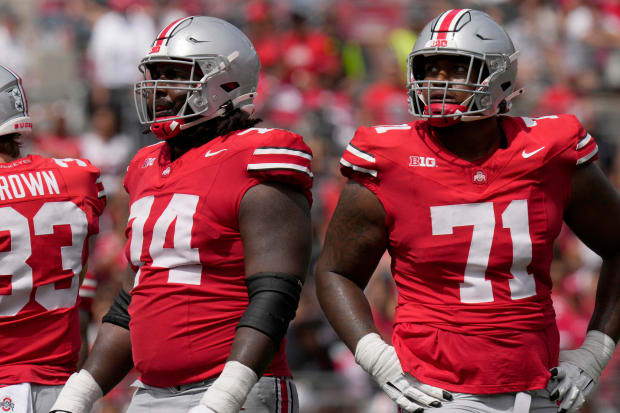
{"points": [[230, 86]]}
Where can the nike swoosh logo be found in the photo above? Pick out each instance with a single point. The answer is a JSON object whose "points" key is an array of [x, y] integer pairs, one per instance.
{"points": [[195, 41], [527, 155], [209, 153]]}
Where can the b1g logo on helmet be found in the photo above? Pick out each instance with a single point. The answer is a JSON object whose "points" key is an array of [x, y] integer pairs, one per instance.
{"points": [[7, 405], [437, 43]]}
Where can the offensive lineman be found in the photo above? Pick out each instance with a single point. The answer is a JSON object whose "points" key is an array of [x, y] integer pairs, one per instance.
{"points": [[217, 268], [468, 201]]}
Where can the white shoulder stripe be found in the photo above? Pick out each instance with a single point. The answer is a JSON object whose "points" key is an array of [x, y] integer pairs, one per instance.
{"points": [[99, 180], [584, 141], [358, 168], [88, 282], [365, 156], [588, 156], [87, 293], [294, 166], [282, 151]]}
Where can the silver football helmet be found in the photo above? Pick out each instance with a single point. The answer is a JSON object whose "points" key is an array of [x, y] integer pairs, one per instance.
{"points": [[14, 116], [226, 58], [474, 35]]}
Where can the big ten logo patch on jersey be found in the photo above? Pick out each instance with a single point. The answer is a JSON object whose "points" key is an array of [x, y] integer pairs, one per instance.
{"points": [[425, 161]]}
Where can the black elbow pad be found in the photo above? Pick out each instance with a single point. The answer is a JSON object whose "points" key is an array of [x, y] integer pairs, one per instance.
{"points": [[273, 302], [118, 313]]}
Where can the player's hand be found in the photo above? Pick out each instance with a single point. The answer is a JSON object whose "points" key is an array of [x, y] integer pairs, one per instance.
{"points": [[571, 385], [380, 360], [578, 371], [201, 408], [412, 395]]}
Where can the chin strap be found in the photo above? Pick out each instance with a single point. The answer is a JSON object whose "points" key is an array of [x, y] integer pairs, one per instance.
{"points": [[450, 109], [167, 128]]}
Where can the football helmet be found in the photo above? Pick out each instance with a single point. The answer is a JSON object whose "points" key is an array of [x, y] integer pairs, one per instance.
{"points": [[14, 116], [476, 36], [224, 73]]}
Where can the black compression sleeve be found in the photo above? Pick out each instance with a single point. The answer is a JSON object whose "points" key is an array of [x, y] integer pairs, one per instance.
{"points": [[273, 298], [118, 313]]}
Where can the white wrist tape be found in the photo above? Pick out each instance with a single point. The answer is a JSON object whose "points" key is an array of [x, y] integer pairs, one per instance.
{"points": [[79, 394], [593, 355], [228, 393], [377, 358]]}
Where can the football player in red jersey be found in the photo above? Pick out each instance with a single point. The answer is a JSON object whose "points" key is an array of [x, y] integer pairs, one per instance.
{"points": [[49, 208], [218, 239], [468, 201]]}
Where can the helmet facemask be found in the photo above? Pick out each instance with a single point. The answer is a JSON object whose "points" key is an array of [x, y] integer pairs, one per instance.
{"points": [[199, 88], [483, 99]]}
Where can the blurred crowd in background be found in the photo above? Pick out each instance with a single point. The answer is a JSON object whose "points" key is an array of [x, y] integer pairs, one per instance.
{"points": [[328, 66]]}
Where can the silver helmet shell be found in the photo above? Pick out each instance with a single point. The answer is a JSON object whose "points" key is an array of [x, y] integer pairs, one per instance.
{"points": [[14, 116], [475, 35], [226, 57]]}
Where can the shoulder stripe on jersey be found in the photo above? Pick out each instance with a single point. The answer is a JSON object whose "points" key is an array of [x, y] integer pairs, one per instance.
{"points": [[588, 156], [583, 142], [263, 166], [282, 151], [87, 293], [360, 154], [358, 168], [89, 282], [101, 193]]}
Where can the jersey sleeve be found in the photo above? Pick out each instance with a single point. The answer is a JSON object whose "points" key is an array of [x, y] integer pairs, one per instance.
{"points": [[358, 161], [283, 157], [582, 148], [586, 148], [84, 180]]}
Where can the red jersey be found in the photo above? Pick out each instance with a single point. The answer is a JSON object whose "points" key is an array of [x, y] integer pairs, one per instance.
{"points": [[184, 242], [471, 246], [48, 210]]}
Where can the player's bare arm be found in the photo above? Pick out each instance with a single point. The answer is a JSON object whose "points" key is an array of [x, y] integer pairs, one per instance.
{"points": [[355, 241], [274, 221], [593, 214], [109, 361]]}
